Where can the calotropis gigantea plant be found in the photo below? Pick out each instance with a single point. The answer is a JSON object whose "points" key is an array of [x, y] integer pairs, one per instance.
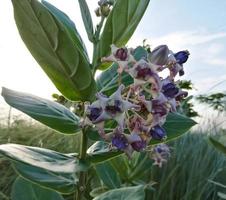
{"points": [[128, 108]]}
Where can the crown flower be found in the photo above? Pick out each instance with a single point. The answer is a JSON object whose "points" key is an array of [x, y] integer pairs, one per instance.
{"points": [[140, 110]]}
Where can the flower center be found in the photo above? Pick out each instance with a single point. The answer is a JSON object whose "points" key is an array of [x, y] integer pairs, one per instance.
{"points": [[121, 54], [114, 106], [94, 113]]}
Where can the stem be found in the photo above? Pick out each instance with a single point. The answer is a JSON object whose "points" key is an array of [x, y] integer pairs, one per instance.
{"points": [[95, 44], [82, 176]]}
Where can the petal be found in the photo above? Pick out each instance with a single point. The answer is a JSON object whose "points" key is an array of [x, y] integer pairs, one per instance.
{"points": [[104, 116]]}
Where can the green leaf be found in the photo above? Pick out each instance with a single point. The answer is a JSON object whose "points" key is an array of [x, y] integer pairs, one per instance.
{"points": [[107, 81], [87, 19], [176, 125], [120, 25], [47, 112], [45, 167], [221, 195], [100, 152], [218, 143], [97, 191], [108, 175], [126, 193], [25, 190], [54, 42]]}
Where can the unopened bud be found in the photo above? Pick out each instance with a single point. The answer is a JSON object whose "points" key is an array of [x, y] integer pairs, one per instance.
{"points": [[159, 55]]}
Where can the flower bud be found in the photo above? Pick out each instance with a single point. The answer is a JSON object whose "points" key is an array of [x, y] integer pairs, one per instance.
{"points": [[98, 12], [120, 141], [105, 10], [182, 56], [181, 72], [159, 55], [170, 90], [157, 132]]}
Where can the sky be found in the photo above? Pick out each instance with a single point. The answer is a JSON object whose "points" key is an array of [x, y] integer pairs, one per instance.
{"points": [[196, 25]]}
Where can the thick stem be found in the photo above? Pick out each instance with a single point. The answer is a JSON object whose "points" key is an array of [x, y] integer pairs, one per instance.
{"points": [[82, 176]]}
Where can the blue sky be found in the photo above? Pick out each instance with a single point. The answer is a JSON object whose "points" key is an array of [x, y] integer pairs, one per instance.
{"points": [[199, 26]]}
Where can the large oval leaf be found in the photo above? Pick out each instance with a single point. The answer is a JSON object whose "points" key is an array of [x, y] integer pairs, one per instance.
{"points": [[54, 42], [100, 152], [177, 124], [47, 112], [108, 175], [120, 25], [126, 193], [25, 190], [45, 167]]}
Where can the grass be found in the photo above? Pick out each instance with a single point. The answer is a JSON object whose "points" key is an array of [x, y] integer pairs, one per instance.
{"points": [[184, 177]]}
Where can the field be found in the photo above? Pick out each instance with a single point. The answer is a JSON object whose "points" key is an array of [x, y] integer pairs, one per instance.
{"points": [[189, 174]]}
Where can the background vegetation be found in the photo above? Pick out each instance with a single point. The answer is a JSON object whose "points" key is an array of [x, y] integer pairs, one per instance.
{"points": [[190, 173]]}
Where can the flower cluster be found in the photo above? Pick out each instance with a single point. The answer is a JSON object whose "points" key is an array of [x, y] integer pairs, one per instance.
{"points": [[140, 110]]}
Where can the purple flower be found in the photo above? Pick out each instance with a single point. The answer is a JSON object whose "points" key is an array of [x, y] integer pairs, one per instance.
{"points": [[160, 154], [122, 56], [112, 107], [181, 56], [170, 90], [120, 141], [157, 132]]}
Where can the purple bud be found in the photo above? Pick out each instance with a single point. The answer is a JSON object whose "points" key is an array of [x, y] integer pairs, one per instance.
{"points": [[120, 141], [157, 132], [181, 56], [93, 113], [170, 90], [122, 54], [181, 72], [159, 55], [139, 145]]}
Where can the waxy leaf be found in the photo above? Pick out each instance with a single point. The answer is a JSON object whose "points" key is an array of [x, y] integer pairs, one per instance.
{"points": [[219, 143], [126, 193], [54, 42], [176, 125], [87, 19], [120, 25], [47, 112], [25, 190], [100, 151], [45, 167], [108, 175]]}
